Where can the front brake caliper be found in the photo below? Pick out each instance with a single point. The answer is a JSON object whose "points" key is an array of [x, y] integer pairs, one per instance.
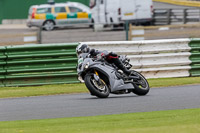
{"points": [[96, 77]]}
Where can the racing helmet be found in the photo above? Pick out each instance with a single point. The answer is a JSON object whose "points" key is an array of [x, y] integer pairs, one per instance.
{"points": [[82, 48]]}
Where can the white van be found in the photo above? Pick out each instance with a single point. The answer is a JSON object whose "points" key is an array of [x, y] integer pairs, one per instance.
{"points": [[115, 12]]}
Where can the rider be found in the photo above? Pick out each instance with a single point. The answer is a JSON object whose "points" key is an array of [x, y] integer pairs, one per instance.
{"points": [[110, 57]]}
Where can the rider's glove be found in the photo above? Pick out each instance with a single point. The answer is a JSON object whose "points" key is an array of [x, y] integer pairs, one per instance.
{"points": [[101, 56], [113, 54]]}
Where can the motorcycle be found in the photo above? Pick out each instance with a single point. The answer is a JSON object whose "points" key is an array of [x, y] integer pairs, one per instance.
{"points": [[102, 78]]}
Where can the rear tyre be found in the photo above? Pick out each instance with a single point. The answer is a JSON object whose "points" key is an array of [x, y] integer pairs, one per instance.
{"points": [[141, 85], [49, 25], [99, 90]]}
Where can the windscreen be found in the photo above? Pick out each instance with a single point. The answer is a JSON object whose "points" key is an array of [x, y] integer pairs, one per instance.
{"points": [[43, 10]]}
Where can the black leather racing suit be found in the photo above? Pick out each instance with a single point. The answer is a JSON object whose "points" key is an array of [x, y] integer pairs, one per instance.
{"points": [[110, 58]]}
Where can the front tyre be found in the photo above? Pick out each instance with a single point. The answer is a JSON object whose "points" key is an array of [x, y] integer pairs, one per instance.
{"points": [[141, 85], [100, 90], [49, 25]]}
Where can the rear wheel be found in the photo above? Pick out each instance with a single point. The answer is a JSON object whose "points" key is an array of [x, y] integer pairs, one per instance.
{"points": [[97, 88], [141, 85]]}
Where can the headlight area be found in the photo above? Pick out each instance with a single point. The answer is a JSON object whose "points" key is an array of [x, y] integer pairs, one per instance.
{"points": [[87, 65]]}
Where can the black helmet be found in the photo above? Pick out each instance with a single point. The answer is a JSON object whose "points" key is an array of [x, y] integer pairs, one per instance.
{"points": [[82, 48]]}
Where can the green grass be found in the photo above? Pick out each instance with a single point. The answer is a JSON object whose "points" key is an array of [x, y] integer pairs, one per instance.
{"points": [[165, 82], [176, 121], [6, 92]]}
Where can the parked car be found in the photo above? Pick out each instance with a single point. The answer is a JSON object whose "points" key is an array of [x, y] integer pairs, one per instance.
{"points": [[53, 15]]}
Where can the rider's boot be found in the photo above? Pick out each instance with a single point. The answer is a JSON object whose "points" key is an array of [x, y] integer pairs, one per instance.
{"points": [[120, 65]]}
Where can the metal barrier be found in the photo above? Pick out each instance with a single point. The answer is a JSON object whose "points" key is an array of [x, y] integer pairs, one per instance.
{"points": [[175, 16], [38, 64], [2, 64], [56, 63], [195, 57]]}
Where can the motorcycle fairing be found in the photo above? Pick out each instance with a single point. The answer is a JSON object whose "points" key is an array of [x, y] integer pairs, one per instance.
{"points": [[116, 84]]}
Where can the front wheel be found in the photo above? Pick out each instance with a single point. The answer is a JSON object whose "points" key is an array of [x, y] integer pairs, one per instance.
{"points": [[97, 88], [141, 85], [49, 25]]}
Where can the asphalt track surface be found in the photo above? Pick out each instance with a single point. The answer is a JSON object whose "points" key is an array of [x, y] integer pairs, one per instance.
{"points": [[76, 105]]}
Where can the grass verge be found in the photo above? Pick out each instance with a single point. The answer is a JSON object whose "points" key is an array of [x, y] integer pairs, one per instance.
{"points": [[7, 92], [176, 121]]}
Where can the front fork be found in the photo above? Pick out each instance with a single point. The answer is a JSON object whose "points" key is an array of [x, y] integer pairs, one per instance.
{"points": [[97, 78]]}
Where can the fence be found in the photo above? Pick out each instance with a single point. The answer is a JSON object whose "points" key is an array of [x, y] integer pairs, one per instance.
{"points": [[17, 38], [175, 16], [163, 32], [38, 64]]}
